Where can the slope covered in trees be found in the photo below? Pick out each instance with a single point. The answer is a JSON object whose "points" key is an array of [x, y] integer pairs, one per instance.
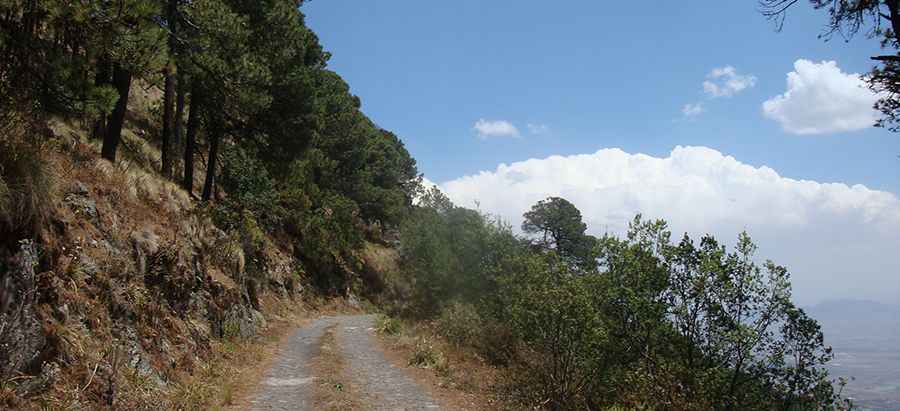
{"points": [[244, 87], [167, 167], [579, 322]]}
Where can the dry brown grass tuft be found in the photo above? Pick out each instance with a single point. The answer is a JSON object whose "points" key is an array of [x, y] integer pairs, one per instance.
{"points": [[456, 375], [27, 183], [335, 391], [380, 258]]}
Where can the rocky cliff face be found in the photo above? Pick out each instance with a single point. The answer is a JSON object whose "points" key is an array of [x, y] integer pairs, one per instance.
{"points": [[124, 292]]}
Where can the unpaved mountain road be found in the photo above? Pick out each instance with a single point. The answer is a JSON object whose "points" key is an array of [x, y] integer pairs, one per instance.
{"points": [[291, 382]]}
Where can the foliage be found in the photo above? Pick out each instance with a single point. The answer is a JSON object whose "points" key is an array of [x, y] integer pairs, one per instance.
{"points": [[652, 324], [556, 316], [26, 186], [460, 323], [426, 355], [388, 325], [250, 188], [296, 149], [634, 321], [559, 226], [448, 254]]}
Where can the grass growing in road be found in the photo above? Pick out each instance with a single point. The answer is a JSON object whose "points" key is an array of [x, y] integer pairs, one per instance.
{"points": [[334, 390]]}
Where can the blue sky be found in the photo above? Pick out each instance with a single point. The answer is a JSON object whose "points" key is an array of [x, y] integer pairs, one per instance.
{"points": [[597, 74], [610, 75]]}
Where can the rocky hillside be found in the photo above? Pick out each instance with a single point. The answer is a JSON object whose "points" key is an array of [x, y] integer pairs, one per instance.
{"points": [[127, 287]]}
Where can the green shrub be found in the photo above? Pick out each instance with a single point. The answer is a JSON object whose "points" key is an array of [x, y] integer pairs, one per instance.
{"points": [[555, 314], [426, 355], [249, 188], [253, 239], [497, 343], [387, 325], [460, 324]]}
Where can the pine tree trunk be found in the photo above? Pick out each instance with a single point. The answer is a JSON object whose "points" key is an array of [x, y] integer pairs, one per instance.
{"points": [[168, 114], [180, 91], [191, 136], [101, 78], [122, 82], [168, 139], [209, 185]]}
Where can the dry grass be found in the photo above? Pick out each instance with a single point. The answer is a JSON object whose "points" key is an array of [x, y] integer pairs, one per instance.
{"points": [[334, 389], [27, 185], [236, 367], [96, 291], [235, 385], [98, 307], [455, 375], [380, 258]]}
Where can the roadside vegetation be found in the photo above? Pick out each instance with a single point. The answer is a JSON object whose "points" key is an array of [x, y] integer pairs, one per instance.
{"points": [[578, 322]]}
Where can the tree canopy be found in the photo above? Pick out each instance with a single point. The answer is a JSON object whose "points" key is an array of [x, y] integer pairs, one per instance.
{"points": [[285, 141], [559, 226], [651, 323]]}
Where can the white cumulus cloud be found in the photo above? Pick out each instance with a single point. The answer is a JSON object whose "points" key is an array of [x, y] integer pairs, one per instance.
{"points": [[838, 240], [726, 82], [692, 109], [495, 128], [821, 99]]}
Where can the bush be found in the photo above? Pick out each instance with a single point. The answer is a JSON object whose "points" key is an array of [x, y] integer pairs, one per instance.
{"points": [[650, 324], [425, 355], [26, 184], [387, 325], [460, 324], [555, 314], [497, 343], [249, 188]]}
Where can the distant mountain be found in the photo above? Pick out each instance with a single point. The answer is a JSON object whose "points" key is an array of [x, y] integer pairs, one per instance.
{"points": [[865, 336], [854, 309], [868, 324]]}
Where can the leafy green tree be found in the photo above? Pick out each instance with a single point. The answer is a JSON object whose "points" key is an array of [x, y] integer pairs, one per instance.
{"points": [[559, 226], [656, 324], [51, 48], [741, 333], [132, 42], [229, 73], [451, 253], [390, 172], [435, 199], [631, 299], [561, 322]]}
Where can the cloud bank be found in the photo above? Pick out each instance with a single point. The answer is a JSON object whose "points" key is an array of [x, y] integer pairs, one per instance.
{"points": [[822, 99], [495, 128], [838, 240]]}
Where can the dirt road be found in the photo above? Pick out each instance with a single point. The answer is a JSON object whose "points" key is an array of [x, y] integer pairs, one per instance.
{"points": [[291, 382]]}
